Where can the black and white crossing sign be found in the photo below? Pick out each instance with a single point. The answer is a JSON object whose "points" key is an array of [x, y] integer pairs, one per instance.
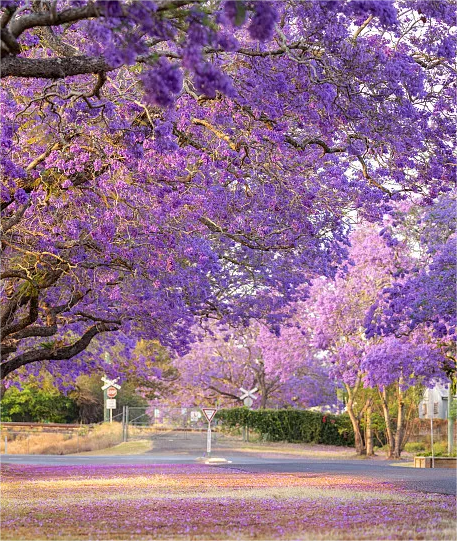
{"points": [[110, 383], [248, 397]]}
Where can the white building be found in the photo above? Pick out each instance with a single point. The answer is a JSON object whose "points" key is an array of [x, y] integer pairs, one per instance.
{"points": [[434, 403]]}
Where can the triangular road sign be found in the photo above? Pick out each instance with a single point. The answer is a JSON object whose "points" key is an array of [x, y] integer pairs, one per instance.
{"points": [[209, 413]]}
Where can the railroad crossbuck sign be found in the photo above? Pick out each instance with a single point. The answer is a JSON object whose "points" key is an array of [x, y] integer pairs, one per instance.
{"points": [[209, 413], [111, 388], [110, 383], [248, 397]]}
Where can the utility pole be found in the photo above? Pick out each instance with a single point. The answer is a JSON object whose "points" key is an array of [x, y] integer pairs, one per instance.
{"points": [[451, 416], [106, 413]]}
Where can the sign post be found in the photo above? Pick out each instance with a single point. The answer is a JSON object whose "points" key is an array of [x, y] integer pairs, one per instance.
{"points": [[111, 405], [110, 389], [209, 413], [248, 398], [451, 416]]}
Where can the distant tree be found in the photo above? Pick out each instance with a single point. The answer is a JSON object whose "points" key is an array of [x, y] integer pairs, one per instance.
{"points": [[225, 360], [337, 313], [39, 402]]}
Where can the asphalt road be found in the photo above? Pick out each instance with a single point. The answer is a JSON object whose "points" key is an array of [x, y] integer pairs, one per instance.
{"points": [[422, 480], [442, 481]]}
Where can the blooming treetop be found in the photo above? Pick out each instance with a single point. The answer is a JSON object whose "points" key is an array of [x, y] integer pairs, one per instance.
{"points": [[223, 361], [177, 160], [426, 294], [339, 311], [420, 302]]}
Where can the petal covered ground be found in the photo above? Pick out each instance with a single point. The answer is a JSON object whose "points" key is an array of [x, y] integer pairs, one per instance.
{"points": [[202, 502]]}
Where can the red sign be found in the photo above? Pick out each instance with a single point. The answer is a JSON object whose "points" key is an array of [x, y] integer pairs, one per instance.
{"points": [[209, 413], [111, 392]]}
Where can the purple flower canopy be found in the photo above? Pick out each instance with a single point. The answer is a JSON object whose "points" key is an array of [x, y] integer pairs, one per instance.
{"points": [[164, 164]]}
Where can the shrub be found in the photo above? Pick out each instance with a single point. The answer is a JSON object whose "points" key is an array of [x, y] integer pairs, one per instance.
{"points": [[415, 447], [39, 405], [439, 449], [291, 425]]}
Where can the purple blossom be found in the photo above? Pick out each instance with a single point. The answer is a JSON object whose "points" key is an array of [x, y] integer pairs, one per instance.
{"points": [[161, 83], [110, 8], [235, 11], [21, 196], [209, 79], [263, 21]]}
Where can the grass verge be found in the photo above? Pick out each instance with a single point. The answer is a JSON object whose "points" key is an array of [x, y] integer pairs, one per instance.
{"points": [[55, 443], [197, 502]]}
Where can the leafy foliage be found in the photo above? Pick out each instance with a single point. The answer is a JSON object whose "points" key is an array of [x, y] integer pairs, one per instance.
{"points": [[292, 425], [40, 404]]}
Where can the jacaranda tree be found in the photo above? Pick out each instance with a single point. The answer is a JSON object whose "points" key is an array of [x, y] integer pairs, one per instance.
{"points": [[170, 161], [373, 370], [225, 360]]}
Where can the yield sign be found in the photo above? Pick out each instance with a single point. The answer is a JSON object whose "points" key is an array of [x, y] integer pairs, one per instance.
{"points": [[209, 413]]}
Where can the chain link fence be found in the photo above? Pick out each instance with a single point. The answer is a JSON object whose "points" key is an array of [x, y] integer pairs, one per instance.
{"points": [[170, 429]]}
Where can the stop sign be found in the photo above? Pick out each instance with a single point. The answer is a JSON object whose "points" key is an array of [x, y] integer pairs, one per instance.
{"points": [[111, 392]]}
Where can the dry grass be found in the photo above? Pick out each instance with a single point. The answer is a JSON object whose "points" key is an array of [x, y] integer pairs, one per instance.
{"points": [[54, 443]]}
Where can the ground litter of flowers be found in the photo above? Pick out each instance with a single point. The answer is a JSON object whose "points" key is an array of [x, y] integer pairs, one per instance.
{"points": [[186, 502]]}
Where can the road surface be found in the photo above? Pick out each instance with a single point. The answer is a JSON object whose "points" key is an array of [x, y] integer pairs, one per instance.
{"points": [[171, 448]]}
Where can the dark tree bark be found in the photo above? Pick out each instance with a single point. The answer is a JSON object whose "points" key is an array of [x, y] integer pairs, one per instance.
{"points": [[57, 354]]}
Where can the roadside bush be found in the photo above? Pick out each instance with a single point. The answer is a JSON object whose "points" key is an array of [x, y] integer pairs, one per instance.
{"points": [[291, 425], [38, 405], [414, 447], [439, 449]]}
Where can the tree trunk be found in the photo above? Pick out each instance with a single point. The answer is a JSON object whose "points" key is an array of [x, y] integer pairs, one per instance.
{"points": [[263, 401], [358, 438], [400, 422], [369, 428], [262, 388], [385, 409]]}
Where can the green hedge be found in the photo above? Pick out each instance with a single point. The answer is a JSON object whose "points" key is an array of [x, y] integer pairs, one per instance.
{"points": [[292, 425]]}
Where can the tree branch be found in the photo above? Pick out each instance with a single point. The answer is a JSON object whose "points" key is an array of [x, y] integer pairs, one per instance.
{"points": [[230, 395], [53, 68], [220, 134], [315, 141], [50, 18], [15, 219], [24, 322], [35, 330], [59, 354]]}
